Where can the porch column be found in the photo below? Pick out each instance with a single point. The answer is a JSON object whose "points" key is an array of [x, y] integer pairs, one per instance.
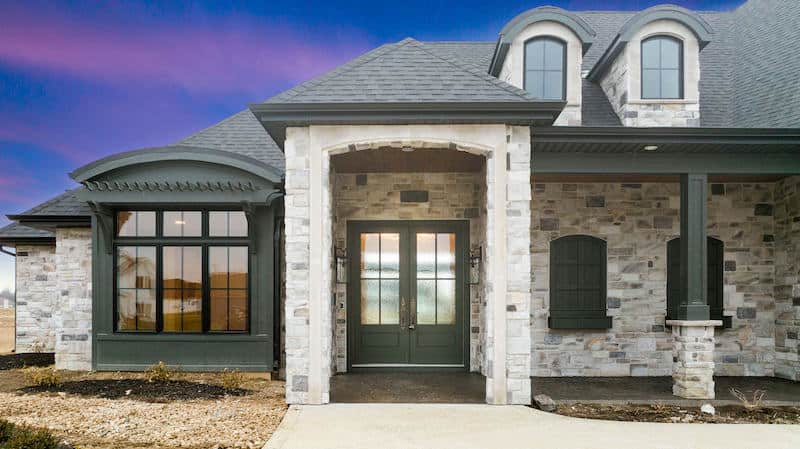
{"points": [[692, 331], [508, 254]]}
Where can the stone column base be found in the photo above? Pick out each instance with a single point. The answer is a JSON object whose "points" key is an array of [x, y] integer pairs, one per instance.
{"points": [[693, 358]]}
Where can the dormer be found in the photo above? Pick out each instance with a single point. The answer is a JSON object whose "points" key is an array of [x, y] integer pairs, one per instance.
{"points": [[651, 70], [541, 51]]}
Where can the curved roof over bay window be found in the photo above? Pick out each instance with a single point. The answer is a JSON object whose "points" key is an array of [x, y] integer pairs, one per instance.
{"points": [[176, 153]]}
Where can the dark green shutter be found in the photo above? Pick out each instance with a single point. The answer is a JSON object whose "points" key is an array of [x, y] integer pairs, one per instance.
{"points": [[716, 281], [578, 283]]}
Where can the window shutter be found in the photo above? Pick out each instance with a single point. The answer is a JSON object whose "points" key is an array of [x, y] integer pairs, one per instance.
{"points": [[578, 283]]}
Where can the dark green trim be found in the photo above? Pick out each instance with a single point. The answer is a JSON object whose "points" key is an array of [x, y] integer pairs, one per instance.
{"points": [[701, 29], [666, 164], [681, 73], [252, 350], [619, 134], [176, 153], [33, 241], [546, 37], [543, 13], [693, 303], [276, 117], [557, 322]]}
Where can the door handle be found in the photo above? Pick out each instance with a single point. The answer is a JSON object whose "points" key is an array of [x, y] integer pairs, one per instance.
{"points": [[413, 314], [403, 313]]}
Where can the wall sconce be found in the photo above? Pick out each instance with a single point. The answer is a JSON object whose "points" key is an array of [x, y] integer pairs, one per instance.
{"points": [[475, 256], [341, 265]]}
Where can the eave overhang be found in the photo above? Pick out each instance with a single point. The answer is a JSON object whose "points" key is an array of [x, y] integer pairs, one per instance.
{"points": [[51, 222], [276, 117], [678, 150], [12, 241]]}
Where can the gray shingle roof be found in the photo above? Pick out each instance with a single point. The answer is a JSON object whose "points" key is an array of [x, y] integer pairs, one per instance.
{"points": [[240, 133], [14, 231], [408, 71], [66, 205]]}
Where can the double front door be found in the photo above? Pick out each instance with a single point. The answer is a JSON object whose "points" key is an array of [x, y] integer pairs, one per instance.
{"points": [[406, 293]]}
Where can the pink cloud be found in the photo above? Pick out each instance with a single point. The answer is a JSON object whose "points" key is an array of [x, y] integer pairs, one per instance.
{"points": [[234, 55]]}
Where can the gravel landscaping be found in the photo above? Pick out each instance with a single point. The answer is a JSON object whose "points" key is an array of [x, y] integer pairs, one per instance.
{"points": [[676, 414], [123, 410]]}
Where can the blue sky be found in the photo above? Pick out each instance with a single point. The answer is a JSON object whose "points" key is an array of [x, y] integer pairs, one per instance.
{"points": [[81, 80]]}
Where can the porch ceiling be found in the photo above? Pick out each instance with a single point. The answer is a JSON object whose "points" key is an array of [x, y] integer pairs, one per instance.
{"points": [[395, 160], [713, 151]]}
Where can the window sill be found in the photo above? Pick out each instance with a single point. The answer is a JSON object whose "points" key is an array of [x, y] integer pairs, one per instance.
{"points": [[662, 101], [579, 323]]}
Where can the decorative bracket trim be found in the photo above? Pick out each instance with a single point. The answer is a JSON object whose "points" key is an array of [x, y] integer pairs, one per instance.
{"points": [[105, 222]]}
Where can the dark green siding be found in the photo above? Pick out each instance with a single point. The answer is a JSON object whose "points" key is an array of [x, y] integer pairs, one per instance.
{"points": [[193, 352]]}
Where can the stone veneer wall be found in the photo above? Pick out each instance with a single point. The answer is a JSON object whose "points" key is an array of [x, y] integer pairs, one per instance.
{"points": [[787, 278], [637, 220], [451, 196], [73, 322], [638, 113], [36, 298]]}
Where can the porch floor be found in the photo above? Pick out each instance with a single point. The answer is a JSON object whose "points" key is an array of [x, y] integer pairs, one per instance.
{"points": [[409, 387], [634, 390]]}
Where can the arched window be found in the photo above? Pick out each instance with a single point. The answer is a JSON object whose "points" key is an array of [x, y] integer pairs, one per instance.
{"points": [[714, 287], [578, 283], [545, 68], [662, 68]]}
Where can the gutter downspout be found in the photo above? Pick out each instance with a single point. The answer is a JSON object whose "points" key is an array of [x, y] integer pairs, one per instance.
{"points": [[277, 257]]}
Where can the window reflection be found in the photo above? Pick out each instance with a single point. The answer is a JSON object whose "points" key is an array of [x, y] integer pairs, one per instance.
{"points": [[182, 285], [136, 299], [228, 277]]}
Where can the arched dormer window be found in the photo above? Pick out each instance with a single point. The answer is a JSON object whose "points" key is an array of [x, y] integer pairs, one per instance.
{"points": [[662, 68], [545, 68]]}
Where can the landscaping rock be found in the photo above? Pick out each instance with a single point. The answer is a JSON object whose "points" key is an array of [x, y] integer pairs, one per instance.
{"points": [[544, 403], [708, 409]]}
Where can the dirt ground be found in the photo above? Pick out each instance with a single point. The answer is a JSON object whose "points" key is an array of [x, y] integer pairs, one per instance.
{"points": [[671, 413], [123, 410], [6, 330]]}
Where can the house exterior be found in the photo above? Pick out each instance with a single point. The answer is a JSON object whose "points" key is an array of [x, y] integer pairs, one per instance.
{"points": [[593, 194]]}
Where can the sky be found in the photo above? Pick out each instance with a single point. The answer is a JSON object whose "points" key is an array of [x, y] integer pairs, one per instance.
{"points": [[80, 80]]}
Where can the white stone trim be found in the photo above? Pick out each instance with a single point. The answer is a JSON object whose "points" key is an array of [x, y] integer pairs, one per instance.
{"points": [[309, 217]]}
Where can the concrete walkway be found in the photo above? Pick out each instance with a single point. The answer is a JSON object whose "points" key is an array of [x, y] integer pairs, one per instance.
{"points": [[450, 426]]}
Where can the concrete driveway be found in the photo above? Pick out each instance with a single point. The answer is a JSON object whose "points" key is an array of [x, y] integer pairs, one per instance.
{"points": [[457, 426]]}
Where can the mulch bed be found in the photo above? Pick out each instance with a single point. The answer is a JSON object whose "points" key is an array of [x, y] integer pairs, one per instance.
{"points": [[16, 361], [141, 389], [672, 414]]}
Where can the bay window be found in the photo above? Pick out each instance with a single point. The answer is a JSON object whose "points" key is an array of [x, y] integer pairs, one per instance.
{"points": [[181, 271]]}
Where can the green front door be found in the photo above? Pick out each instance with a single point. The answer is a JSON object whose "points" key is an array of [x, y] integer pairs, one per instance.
{"points": [[406, 293]]}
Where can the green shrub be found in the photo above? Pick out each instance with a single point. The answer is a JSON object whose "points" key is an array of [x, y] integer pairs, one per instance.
{"points": [[6, 429], [25, 437], [161, 373], [232, 380], [43, 377]]}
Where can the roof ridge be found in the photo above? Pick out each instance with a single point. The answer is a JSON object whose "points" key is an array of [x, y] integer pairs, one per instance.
{"points": [[483, 76], [335, 72]]}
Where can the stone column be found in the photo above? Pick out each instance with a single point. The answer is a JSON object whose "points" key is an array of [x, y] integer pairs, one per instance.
{"points": [[73, 314], [36, 298], [518, 266], [296, 313], [693, 358]]}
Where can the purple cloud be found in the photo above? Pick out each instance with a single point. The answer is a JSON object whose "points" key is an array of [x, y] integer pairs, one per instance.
{"points": [[236, 55]]}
